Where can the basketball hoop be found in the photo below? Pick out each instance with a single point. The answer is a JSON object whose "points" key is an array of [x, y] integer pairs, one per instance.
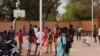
{"points": [[19, 13]]}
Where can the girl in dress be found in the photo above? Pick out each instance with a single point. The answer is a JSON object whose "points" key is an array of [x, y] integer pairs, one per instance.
{"points": [[61, 43]]}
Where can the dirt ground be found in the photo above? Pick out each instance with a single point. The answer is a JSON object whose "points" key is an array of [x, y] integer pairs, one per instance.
{"points": [[78, 49]]}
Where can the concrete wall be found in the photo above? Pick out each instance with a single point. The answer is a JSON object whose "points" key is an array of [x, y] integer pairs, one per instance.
{"points": [[86, 25]]}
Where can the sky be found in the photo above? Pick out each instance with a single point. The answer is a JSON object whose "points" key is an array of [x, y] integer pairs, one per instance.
{"points": [[61, 9]]}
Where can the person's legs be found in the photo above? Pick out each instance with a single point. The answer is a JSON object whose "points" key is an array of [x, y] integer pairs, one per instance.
{"points": [[55, 47], [29, 49], [77, 36], [99, 38], [28, 52], [50, 47], [47, 48], [20, 47], [95, 40], [68, 54], [55, 50], [36, 48]]}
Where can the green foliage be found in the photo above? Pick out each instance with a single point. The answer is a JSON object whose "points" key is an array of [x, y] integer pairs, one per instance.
{"points": [[31, 8], [49, 8], [51, 17], [77, 10], [69, 12]]}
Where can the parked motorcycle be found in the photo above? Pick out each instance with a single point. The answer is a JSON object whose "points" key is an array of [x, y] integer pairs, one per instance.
{"points": [[9, 49]]}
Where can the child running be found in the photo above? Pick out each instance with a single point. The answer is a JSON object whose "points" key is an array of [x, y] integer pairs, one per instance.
{"points": [[86, 40]]}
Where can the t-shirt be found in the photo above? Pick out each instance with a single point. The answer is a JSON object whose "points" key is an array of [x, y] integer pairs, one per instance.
{"points": [[54, 31], [46, 33], [35, 30], [79, 30], [71, 31], [50, 36], [39, 36], [12, 31], [95, 31], [31, 35], [20, 37]]}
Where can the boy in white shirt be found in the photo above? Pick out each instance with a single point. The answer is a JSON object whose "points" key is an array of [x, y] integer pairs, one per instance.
{"points": [[39, 36]]}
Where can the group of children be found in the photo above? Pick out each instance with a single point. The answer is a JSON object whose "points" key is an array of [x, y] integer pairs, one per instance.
{"points": [[7, 35], [35, 36], [46, 37]]}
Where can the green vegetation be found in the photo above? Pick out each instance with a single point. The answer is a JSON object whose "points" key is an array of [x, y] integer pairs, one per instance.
{"points": [[77, 10], [31, 8], [49, 9]]}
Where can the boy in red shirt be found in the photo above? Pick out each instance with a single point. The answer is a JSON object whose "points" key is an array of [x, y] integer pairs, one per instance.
{"points": [[20, 39]]}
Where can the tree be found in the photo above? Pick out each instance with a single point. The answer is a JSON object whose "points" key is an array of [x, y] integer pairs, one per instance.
{"points": [[79, 10], [50, 7], [31, 8], [6, 9], [96, 11]]}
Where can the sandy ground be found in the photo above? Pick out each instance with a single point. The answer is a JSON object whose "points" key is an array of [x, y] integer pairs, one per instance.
{"points": [[78, 49]]}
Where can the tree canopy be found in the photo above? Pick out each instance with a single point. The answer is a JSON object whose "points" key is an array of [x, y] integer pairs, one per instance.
{"points": [[31, 8], [50, 8], [77, 10]]}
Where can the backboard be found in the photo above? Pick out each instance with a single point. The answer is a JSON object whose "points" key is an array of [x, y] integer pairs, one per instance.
{"points": [[19, 13]]}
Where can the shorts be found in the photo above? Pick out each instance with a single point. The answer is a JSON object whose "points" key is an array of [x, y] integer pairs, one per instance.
{"points": [[29, 45], [79, 34], [37, 43], [49, 41], [94, 35]]}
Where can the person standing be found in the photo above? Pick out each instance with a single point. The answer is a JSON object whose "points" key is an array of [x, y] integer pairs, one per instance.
{"points": [[55, 36], [39, 37], [24, 30], [49, 41], [35, 32], [99, 34], [30, 39], [35, 29], [20, 39], [12, 33], [95, 34], [71, 32], [61, 43], [8, 36], [5, 35], [46, 36], [79, 31], [68, 39]]}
